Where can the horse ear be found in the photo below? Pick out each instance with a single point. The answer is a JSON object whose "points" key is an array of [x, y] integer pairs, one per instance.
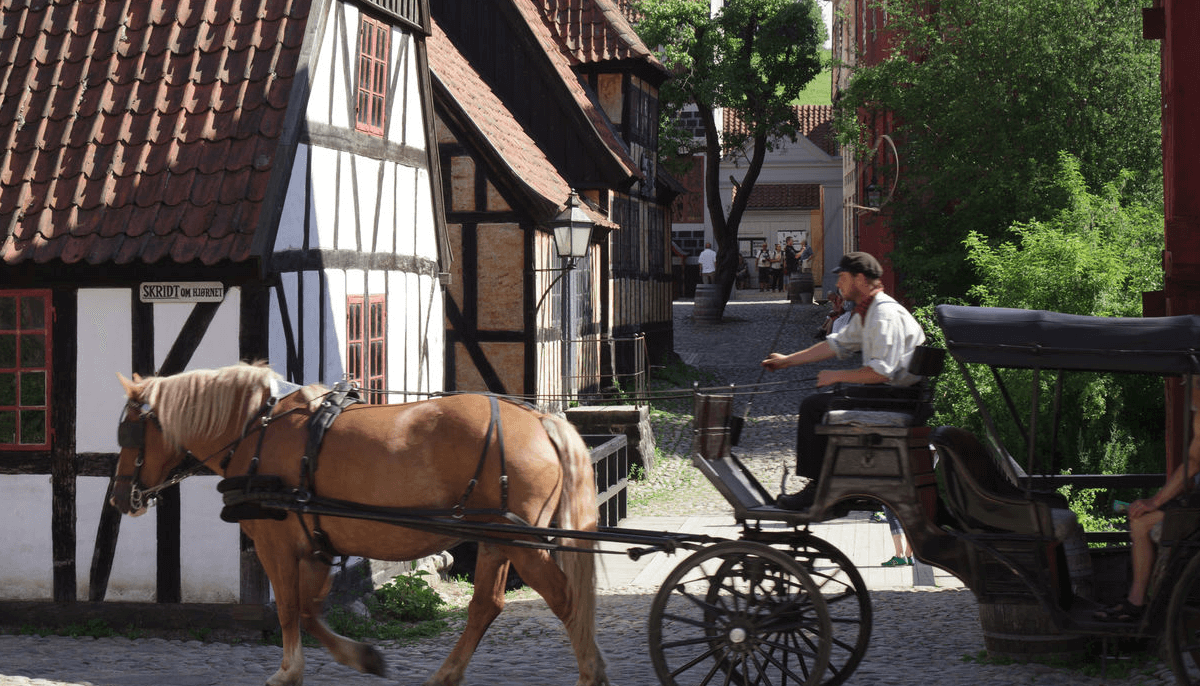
{"points": [[130, 387], [137, 378]]}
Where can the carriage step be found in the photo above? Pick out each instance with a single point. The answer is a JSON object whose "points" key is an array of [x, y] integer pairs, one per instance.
{"points": [[242, 496]]}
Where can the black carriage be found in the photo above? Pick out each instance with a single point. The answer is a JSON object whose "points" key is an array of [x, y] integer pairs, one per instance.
{"points": [[967, 506]]}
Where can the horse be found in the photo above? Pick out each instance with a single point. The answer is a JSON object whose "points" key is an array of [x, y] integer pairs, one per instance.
{"points": [[446, 454]]}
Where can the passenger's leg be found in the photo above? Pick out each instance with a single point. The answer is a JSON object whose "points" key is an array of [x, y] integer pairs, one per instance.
{"points": [[1142, 554], [810, 447]]}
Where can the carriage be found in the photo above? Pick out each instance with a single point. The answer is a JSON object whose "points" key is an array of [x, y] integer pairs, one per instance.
{"points": [[778, 605]]}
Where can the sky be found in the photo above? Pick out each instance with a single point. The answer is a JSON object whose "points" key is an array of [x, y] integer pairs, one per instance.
{"points": [[827, 14]]}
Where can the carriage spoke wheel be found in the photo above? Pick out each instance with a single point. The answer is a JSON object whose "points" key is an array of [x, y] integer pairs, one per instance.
{"points": [[846, 596], [739, 613], [1183, 625]]}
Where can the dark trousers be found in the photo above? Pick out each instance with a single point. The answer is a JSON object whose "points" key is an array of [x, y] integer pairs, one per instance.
{"points": [[810, 446]]}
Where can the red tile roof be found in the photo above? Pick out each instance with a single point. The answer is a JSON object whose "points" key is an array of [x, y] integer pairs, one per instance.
{"points": [[814, 122], [530, 12], [140, 131], [493, 123], [590, 31], [784, 196]]}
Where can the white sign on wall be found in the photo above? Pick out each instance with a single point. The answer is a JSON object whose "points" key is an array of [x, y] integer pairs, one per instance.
{"points": [[182, 292]]}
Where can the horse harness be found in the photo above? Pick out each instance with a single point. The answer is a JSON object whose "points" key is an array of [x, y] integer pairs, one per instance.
{"points": [[255, 496]]}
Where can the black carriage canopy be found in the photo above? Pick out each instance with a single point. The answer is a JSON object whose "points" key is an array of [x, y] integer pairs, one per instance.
{"points": [[1037, 339]]}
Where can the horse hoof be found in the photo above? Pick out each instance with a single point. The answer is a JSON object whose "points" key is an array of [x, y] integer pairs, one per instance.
{"points": [[372, 661]]}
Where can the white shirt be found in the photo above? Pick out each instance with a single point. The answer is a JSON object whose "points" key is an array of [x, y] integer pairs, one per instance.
{"points": [[708, 261], [887, 339]]}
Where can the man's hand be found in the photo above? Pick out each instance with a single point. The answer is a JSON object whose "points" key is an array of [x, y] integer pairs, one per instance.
{"points": [[828, 377], [775, 362]]}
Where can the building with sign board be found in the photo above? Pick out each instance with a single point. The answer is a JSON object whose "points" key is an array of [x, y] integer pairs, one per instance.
{"points": [[185, 186]]}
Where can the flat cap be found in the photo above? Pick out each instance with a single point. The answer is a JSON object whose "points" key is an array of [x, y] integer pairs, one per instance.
{"points": [[860, 263]]}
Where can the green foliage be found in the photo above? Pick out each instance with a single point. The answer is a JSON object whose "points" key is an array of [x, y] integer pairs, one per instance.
{"points": [[408, 597], [1093, 256], [984, 95]]}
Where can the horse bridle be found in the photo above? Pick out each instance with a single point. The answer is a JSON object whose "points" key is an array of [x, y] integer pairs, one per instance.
{"points": [[131, 433]]}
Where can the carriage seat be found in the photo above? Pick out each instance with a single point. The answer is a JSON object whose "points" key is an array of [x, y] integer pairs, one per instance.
{"points": [[926, 362], [983, 499]]}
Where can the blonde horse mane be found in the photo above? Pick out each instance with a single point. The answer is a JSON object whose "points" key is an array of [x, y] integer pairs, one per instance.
{"points": [[205, 402]]}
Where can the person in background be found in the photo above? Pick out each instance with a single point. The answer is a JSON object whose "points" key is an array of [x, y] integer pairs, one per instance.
{"points": [[764, 267], [806, 254], [886, 334], [708, 264], [791, 261], [777, 268], [904, 553]]}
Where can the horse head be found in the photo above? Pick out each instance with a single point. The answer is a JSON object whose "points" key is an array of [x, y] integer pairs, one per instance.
{"points": [[146, 457]]}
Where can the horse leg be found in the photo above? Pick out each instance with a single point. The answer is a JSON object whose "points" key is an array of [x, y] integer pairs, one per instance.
{"points": [[282, 569], [491, 571], [315, 582], [538, 569]]}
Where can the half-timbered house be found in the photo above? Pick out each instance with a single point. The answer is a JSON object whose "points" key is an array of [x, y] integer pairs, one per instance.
{"points": [[187, 185], [538, 98]]}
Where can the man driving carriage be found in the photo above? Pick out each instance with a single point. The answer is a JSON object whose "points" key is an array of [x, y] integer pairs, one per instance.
{"points": [[886, 334]]}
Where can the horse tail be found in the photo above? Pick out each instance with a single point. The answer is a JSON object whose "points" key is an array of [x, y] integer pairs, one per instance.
{"points": [[577, 510]]}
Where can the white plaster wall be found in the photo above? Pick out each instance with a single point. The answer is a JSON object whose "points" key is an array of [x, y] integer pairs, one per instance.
{"points": [[313, 307], [218, 348], [405, 218], [324, 189], [414, 134], [105, 345], [335, 334], [210, 548], [27, 565], [291, 221], [276, 342], [426, 238], [134, 569]]}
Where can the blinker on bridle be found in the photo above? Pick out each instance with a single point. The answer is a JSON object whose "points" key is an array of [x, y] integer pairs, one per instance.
{"points": [[131, 433]]}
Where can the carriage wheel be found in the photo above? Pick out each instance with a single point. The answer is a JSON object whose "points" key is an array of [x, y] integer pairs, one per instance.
{"points": [[846, 596], [739, 613], [1183, 625]]}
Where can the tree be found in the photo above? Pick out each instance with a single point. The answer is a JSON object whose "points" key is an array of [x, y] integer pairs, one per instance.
{"points": [[1092, 256], [753, 57], [985, 94]]}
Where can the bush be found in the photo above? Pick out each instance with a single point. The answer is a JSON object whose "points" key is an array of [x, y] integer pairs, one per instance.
{"points": [[408, 598]]}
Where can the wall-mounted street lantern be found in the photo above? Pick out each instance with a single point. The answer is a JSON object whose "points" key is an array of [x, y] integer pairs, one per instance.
{"points": [[572, 235], [572, 231]]}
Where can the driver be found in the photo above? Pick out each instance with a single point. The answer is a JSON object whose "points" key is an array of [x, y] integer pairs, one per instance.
{"points": [[886, 334]]}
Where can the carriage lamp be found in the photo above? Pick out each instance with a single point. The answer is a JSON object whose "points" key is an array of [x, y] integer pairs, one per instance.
{"points": [[572, 231]]}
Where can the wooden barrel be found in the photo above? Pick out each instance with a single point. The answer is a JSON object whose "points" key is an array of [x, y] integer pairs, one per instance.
{"points": [[1025, 633], [800, 288], [707, 305]]}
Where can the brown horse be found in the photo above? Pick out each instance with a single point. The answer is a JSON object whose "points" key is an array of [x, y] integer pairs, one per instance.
{"points": [[416, 455]]}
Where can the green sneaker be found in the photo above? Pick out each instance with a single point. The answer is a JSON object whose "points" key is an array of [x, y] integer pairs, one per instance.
{"points": [[896, 561]]}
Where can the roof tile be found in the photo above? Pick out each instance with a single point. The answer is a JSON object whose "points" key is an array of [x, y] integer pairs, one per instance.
{"points": [[119, 120]]}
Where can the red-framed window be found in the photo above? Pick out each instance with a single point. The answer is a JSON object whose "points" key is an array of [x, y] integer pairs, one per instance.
{"points": [[25, 340], [366, 345], [374, 41]]}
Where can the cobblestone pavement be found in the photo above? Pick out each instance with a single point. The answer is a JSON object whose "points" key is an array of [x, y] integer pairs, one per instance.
{"points": [[928, 636]]}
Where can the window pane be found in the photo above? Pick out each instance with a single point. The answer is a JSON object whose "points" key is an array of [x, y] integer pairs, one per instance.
{"points": [[33, 427], [33, 312], [33, 388], [8, 388], [8, 313], [8, 350], [8, 426], [33, 350]]}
